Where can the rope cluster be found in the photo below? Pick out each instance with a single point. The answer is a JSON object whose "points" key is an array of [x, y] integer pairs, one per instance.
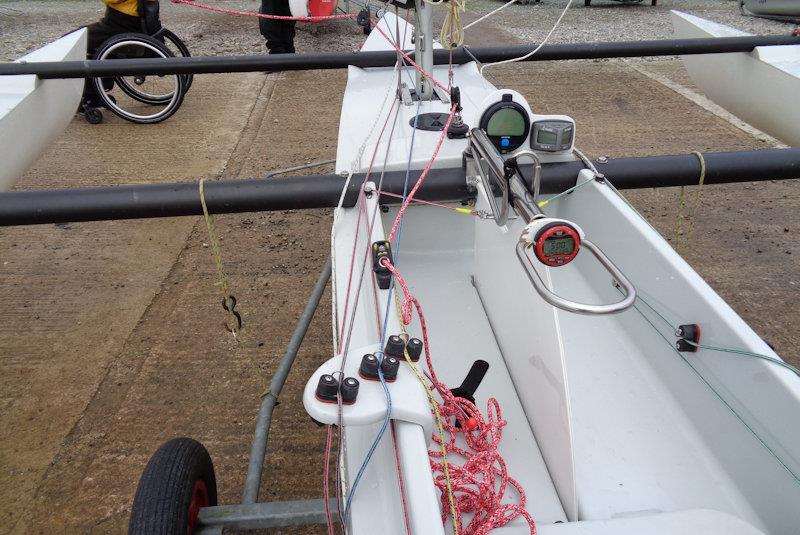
{"points": [[479, 485]]}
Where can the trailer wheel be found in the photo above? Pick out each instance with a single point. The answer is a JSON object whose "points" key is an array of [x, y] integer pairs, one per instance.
{"points": [[653, 2], [176, 483], [587, 3]]}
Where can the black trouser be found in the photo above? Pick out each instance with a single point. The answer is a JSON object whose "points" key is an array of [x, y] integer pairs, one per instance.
{"points": [[278, 33], [113, 23]]}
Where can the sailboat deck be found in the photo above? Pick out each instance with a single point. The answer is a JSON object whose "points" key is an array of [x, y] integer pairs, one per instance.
{"points": [[459, 334]]}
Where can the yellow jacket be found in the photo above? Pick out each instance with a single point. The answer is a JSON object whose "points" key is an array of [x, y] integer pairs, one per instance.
{"points": [[128, 7]]}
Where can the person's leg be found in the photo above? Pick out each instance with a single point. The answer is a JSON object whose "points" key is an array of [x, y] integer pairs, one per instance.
{"points": [[279, 34], [289, 31]]}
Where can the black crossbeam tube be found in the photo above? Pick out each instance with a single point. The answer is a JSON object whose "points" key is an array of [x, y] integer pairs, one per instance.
{"points": [[340, 60], [323, 191]]}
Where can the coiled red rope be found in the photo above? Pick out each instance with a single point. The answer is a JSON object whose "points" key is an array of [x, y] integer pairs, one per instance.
{"points": [[264, 15], [479, 486]]}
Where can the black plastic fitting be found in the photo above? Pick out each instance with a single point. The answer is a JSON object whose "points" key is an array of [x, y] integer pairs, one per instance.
{"points": [[327, 388], [389, 367], [349, 390], [414, 349]]}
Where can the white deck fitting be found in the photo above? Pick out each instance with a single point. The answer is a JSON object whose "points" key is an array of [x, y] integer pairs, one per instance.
{"points": [[409, 401], [34, 112], [761, 87]]}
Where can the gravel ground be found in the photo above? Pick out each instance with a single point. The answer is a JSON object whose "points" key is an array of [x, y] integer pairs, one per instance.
{"points": [[27, 25], [605, 20]]}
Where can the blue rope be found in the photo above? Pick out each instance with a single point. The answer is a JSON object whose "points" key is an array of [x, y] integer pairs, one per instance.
{"points": [[379, 354]]}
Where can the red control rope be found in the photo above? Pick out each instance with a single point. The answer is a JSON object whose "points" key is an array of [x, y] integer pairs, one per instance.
{"points": [[264, 15], [411, 61]]}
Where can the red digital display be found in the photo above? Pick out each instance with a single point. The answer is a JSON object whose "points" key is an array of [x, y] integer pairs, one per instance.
{"points": [[557, 245]]}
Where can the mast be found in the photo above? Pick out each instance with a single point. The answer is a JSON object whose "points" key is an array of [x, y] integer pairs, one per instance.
{"points": [[423, 46]]}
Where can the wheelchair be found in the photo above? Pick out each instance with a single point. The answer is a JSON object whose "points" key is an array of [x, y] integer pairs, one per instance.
{"points": [[139, 99]]}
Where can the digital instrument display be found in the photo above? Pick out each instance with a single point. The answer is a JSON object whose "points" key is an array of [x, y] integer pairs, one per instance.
{"points": [[552, 135], [554, 246], [557, 244], [506, 122], [550, 138]]}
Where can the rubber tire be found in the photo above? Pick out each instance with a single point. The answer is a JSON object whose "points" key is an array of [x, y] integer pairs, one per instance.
{"points": [[169, 110], [163, 498], [93, 115], [653, 2], [587, 3]]}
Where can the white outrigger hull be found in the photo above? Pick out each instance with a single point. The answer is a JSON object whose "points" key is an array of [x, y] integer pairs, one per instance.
{"points": [[34, 112], [761, 87], [772, 8], [610, 429]]}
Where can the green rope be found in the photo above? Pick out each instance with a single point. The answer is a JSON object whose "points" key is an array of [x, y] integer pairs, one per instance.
{"points": [[748, 354], [779, 362], [542, 204], [710, 387], [697, 196]]}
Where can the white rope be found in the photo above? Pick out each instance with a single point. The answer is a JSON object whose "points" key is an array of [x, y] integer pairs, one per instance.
{"points": [[499, 9], [535, 50], [354, 167]]}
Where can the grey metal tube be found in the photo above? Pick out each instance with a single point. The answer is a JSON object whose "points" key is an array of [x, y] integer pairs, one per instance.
{"points": [[264, 515], [270, 398]]}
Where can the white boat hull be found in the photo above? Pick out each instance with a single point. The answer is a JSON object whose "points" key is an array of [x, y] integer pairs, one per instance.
{"points": [[33, 112], [761, 87], [774, 8], [610, 430]]}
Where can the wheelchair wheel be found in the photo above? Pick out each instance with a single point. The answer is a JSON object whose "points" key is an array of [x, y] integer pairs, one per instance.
{"points": [[161, 95], [178, 47], [131, 85]]}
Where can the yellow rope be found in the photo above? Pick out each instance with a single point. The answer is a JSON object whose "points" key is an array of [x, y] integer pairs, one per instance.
{"points": [[229, 301], [697, 195], [435, 408], [452, 34], [695, 206]]}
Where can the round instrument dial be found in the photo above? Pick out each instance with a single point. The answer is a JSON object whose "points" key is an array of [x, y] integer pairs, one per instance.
{"points": [[506, 124], [557, 244]]}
